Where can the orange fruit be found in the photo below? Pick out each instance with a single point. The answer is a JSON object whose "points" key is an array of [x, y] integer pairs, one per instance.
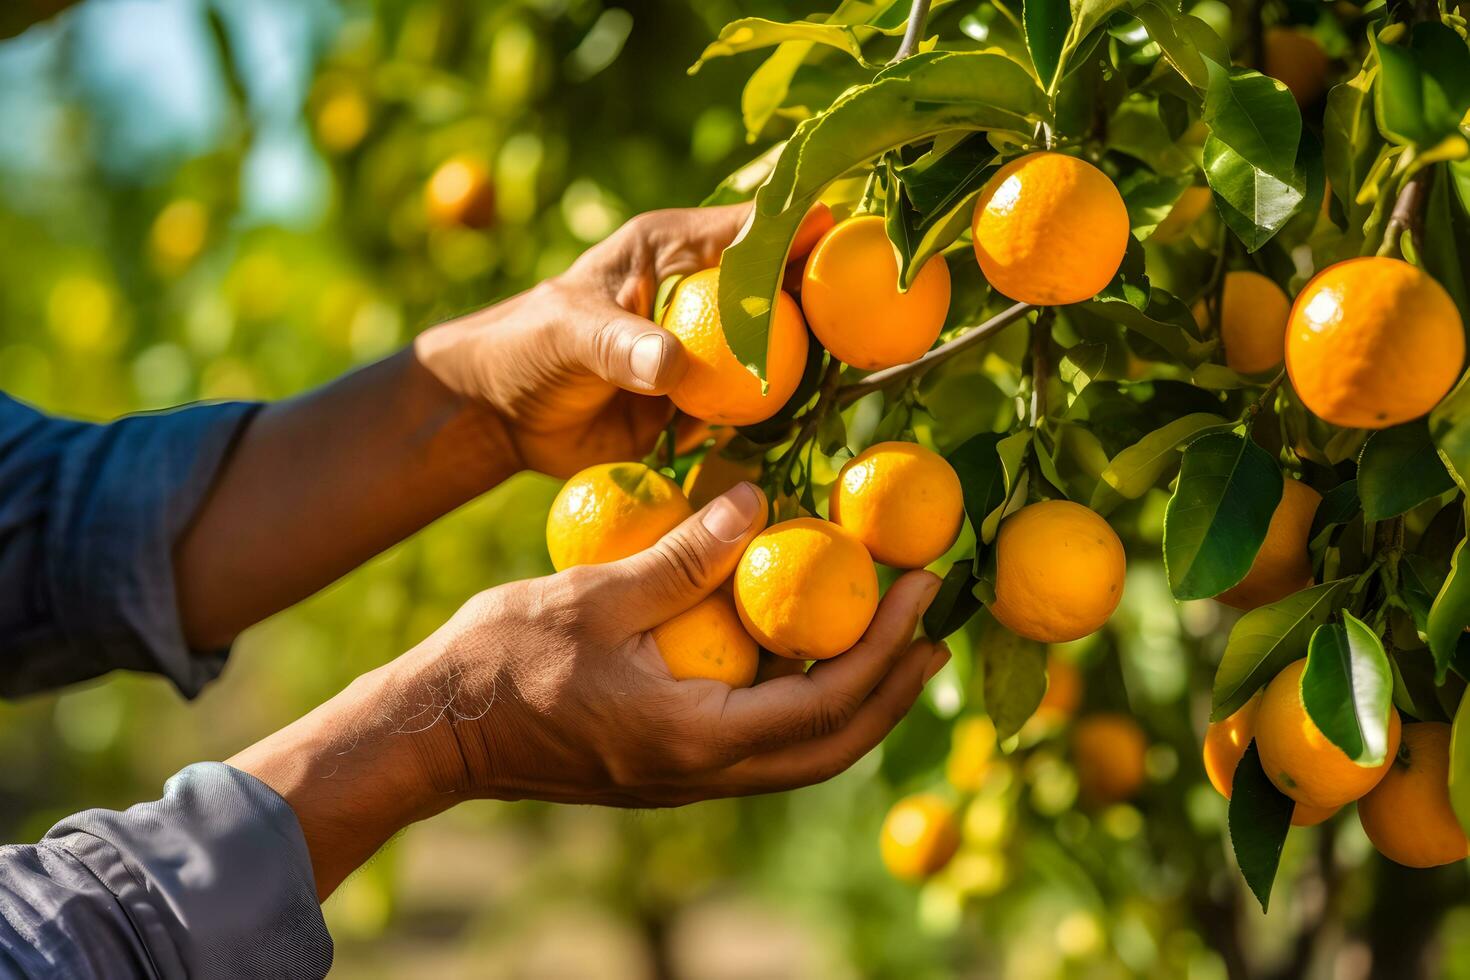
{"points": [[1282, 566], [1058, 572], [971, 747], [1408, 816], [708, 641], [1253, 312], [851, 298], [716, 387], [1225, 744], [1296, 60], [902, 501], [920, 835], [1050, 229], [805, 588], [1299, 759], [715, 472], [1108, 750], [1373, 342], [610, 511], [460, 192], [816, 223], [1063, 690], [1182, 216]]}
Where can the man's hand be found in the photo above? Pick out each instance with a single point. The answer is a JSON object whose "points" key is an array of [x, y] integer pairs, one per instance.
{"points": [[553, 689], [566, 366]]}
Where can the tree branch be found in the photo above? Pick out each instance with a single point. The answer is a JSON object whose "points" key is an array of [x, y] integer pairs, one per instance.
{"points": [[1408, 215], [918, 13], [879, 380]]}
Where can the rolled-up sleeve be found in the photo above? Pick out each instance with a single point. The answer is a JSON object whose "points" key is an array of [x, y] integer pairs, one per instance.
{"points": [[213, 880], [89, 515]]}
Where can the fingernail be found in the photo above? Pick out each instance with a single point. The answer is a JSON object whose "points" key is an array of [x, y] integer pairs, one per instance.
{"points": [[729, 516], [937, 660], [648, 357]]}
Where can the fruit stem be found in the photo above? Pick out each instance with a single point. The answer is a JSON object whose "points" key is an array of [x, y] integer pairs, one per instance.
{"points": [[918, 13], [1255, 407], [1408, 216], [811, 420], [1039, 368], [879, 380]]}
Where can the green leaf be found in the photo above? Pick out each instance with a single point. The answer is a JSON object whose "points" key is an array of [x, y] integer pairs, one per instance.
{"points": [[1419, 583], [1185, 41], [1450, 613], [1350, 143], [929, 208], [1449, 427], [1135, 470], [1255, 116], [752, 33], [1460, 763], [1260, 816], [1339, 505], [1215, 522], [1254, 203], [1015, 676], [1347, 689], [1046, 23], [1163, 322], [1266, 639], [955, 602], [1012, 452], [918, 98], [1400, 469], [1424, 90], [1087, 14], [982, 474], [741, 185]]}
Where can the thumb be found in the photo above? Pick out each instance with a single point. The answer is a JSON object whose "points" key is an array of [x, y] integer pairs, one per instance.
{"points": [[690, 561], [635, 354]]}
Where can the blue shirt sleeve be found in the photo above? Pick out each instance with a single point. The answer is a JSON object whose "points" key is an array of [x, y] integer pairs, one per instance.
{"points": [[89, 515], [213, 880]]}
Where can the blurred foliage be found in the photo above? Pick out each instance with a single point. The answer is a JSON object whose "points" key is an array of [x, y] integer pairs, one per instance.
{"points": [[227, 200]]}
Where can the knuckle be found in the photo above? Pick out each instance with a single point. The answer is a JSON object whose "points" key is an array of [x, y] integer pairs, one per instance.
{"points": [[682, 562]]}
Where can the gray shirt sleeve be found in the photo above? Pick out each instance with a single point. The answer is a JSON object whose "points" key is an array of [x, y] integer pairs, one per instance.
{"points": [[213, 880]]}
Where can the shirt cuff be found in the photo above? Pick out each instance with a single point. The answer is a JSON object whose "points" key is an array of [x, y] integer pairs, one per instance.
{"points": [[215, 877], [125, 493]]}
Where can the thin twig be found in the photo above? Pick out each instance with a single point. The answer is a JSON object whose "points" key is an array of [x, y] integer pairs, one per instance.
{"points": [[812, 418], [918, 13], [1408, 215], [1265, 397], [879, 380], [1040, 369]]}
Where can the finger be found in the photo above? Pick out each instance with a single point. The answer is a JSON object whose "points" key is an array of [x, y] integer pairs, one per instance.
{"points": [[804, 706], [689, 239], [688, 563], [635, 354], [822, 758]]}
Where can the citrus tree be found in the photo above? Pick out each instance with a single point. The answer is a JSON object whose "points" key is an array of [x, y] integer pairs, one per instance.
{"points": [[1136, 273]]}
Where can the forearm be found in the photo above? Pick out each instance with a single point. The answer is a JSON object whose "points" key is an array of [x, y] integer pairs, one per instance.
{"points": [[320, 483], [361, 767]]}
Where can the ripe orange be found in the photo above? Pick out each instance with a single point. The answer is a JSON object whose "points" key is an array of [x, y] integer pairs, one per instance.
{"points": [[717, 387], [708, 641], [1407, 815], [1253, 312], [817, 222], [971, 747], [805, 588], [1373, 342], [1058, 572], [1297, 61], [902, 501], [1182, 216], [850, 295], [920, 835], [1282, 566], [1063, 690], [1108, 750], [715, 472], [1299, 759], [1050, 229], [460, 192], [611, 511], [1225, 745]]}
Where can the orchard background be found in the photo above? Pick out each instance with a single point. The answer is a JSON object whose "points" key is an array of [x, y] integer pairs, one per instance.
{"points": [[225, 200]]}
